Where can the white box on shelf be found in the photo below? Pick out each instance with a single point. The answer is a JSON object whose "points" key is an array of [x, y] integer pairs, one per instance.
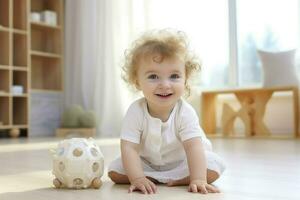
{"points": [[49, 17], [17, 89], [35, 17]]}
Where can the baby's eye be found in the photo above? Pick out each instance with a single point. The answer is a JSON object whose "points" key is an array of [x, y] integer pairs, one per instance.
{"points": [[174, 76], [153, 76]]}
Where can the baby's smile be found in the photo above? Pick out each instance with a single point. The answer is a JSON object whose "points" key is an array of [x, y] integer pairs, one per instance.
{"points": [[164, 95]]}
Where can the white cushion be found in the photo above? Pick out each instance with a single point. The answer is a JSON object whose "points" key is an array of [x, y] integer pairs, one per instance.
{"points": [[279, 68]]}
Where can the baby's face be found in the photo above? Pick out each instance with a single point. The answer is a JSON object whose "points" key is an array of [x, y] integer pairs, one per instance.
{"points": [[163, 82]]}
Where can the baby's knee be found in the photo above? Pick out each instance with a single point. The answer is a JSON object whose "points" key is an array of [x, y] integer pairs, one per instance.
{"points": [[113, 176], [118, 178], [212, 176]]}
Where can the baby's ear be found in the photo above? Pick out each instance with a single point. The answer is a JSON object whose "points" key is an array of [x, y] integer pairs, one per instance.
{"points": [[137, 85]]}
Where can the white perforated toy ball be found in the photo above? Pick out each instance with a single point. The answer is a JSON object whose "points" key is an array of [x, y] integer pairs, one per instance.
{"points": [[78, 163]]}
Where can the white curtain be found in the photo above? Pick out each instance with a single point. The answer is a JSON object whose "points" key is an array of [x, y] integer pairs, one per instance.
{"points": [[97, 33]]}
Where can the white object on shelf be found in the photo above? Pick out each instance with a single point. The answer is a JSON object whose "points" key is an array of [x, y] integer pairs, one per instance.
{"points": [[17, 89], [49, 17], [77, 163], [35, 17]]}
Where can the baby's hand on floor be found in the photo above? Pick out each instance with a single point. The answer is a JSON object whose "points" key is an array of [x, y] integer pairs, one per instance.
{"points": [[202, 187], [144, 185]]}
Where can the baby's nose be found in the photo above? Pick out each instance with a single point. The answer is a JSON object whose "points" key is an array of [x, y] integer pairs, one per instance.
{"points": [[165, 83]]}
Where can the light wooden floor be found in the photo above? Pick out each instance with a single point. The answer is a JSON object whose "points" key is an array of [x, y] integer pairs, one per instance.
{"points": [[256, 169]]}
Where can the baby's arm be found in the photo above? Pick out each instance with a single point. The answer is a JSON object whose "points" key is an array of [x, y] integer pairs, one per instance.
{"points": [[197, 166], [133, 168]]}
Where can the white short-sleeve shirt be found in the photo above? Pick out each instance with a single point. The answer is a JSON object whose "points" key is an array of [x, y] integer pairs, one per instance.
{"points": [[161, 142]]}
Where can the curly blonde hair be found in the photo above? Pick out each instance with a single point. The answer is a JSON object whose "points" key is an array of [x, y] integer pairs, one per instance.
{"points": [[165, 43]]}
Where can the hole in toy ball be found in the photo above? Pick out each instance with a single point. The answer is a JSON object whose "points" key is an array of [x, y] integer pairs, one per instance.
{"points": [[61, 166], [94, 152], [77, 152], [95, 166], [77, 181]]}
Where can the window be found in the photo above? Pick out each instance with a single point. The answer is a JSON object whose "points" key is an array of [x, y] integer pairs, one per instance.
{"points": [[267, 25], [225, 34], [206, 26]]}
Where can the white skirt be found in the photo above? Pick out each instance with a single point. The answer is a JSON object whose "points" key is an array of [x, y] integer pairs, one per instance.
{"points": [[180, 171]]}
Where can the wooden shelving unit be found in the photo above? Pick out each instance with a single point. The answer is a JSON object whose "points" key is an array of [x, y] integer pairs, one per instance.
{"points": [[14, 66], [31, 56], [47, 48]]}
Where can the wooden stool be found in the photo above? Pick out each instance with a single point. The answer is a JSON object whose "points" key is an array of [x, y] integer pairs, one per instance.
{"points": [[253, 107], [253, 103], [229, 116]]}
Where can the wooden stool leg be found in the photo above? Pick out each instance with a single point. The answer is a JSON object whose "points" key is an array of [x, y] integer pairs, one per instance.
{"points": [[296, 111], [228, 117], [261, 100], [245, 117], [246, 112]]}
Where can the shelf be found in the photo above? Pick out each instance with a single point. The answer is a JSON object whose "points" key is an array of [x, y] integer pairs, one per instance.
{"points": [[45, 54], [4, 48], [4, 107], [46, 40], [4, 14], [20, 68], [20, 78], [20, 31], [21, 126], [56, 6], [20, 14], [4, 81], [5, 94], [4, 29], [46, 73], [36, 91], [2, 127], [20, 50], [41, 25], [4, 67], [20, 110], [20, 95]]}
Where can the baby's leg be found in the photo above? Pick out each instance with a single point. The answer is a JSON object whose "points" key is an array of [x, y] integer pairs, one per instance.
{"points": [[123, 179], [211, 177], [118, 178]]}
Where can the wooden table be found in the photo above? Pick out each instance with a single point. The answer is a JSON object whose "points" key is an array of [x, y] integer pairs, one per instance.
{"points": [[253, 103]]}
